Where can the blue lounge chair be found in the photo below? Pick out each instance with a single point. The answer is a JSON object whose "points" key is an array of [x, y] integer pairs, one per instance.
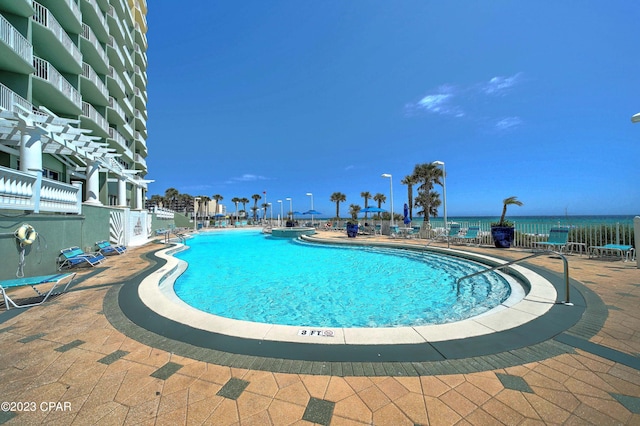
{"points": [[74, 256], [624, 251], [558, 239], [32, 282], [469, 236], [106, 248]]}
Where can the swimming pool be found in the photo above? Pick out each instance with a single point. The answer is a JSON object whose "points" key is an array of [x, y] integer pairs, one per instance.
{"points": [[247, 276]]}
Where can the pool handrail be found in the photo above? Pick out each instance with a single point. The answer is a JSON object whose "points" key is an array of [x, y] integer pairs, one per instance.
{"points": [[512, 262]]}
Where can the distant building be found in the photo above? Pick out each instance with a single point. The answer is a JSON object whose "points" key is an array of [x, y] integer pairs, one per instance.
{"points": [[73, 98]]}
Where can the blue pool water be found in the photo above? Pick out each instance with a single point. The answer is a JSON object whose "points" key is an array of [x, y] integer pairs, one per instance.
{"points": [[248, 276]]}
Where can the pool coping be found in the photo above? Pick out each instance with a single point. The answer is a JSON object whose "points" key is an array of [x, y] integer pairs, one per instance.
{"points": [[156, 292], [541, 338]]}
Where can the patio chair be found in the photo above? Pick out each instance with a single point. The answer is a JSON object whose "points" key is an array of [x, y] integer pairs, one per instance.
{"points": [[624, 251], [470, 236], [106, 248], [558, 239], [32, 282], [74, 256]]}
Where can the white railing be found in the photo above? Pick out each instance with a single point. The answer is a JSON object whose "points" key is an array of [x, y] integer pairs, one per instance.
{"points": [[23, 191], [13, 38], [46, 71], [141, 160], [127, 80], [90, 74], [116, 49], [89, 111], [143, 36], [75, 9], [114, 75], [140, 117], [127, 103], [87, 33], [9, 98], [162, 213], [47, 20], [120, 140], [113, 104], [99, 14]]}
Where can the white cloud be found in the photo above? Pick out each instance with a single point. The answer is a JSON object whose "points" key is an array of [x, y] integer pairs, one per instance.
{"points": [[247, 177], [498, 85], [439, 102], [508, 123], [350, 167]]}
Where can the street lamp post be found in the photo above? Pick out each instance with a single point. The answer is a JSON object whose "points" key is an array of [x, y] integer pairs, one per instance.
{"points": [[311, 195], [196, 203], [290, 208], [387, 175], [444, 195], [281, 214]]}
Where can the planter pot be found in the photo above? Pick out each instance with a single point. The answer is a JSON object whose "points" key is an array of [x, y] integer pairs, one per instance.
{"points": [[352, 230], [502, 236]]}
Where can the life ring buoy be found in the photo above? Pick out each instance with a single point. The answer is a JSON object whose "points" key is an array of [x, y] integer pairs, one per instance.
{"points": [[26, 234]]}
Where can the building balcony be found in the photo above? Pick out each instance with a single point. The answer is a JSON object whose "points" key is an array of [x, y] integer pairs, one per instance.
{"points": [[92, 120], [128, 85], [140, 99], [127, 130], [67, 12], [140, 78], [115, 27], [139, 159], [128, 61], [18, 7], [16, 53], [126, 105], [92, 87], [115, 56], [141, 38], [115, 84], [140, 122], [9, 99], [141, 57], [115, 114], [92, 15], [53, 90], [54, 42], [92, 51], [119, 143]]}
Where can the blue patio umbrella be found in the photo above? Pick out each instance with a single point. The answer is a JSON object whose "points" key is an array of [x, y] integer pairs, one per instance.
{"points": [[407, 219], [372, 210], [312, 212]]}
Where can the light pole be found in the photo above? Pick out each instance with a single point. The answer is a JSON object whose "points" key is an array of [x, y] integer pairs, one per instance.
{"points": [[290, 208], [444, 195], [196, 202], [311, 195], [280, 223], [387, 175]]}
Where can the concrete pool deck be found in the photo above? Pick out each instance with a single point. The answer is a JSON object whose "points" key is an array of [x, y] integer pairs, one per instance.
{"points": [[77, 349]]}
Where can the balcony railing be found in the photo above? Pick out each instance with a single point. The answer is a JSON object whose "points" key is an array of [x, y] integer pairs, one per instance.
{"points": [[47, 72], [47, 20], [99, 14], [9, 98], [13, 38], [89, 111], [88, 34], [90, 74], [113, 104], [120, 140], [141, 160], [23, 191], [114, 75]]}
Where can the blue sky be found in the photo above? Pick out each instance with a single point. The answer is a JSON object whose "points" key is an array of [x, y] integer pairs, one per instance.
{"points": [[532, 99]]}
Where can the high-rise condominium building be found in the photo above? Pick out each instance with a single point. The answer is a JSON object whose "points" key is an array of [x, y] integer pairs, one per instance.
{"points": [[73, 102]]}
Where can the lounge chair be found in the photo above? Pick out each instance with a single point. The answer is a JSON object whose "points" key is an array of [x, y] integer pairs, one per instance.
{"points": [[106, 248], [74, 256], [558, 239], [470, 236], [32, 282], [624, 251]]}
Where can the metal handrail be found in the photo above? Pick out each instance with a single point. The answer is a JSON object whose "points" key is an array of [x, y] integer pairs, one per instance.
{"points": [[546, 252]]}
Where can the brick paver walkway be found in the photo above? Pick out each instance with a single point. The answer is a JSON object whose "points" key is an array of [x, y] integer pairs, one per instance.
{"points": [[64, 363]]}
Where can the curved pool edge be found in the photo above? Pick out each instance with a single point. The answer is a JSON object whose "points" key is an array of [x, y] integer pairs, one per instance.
{"points": [[156, 293]]}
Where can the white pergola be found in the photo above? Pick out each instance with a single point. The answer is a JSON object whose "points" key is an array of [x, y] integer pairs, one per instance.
{"points": [[30, 134]]}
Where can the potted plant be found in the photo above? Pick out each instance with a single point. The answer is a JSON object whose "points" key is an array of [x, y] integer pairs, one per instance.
{"points": [[503, 231], [352, 228]]}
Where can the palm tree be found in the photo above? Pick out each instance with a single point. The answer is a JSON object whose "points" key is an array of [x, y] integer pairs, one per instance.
{"points": [[186, 201], [380, 198], [171, 195], [338, 197], [427, 175], [205, 200], [157, 200], [255, 209], [264, 207], [367, 196], [354, 209], [218, 198], [410, 180], [508, 202], [430, 203], [236, 200], [244, 201]]}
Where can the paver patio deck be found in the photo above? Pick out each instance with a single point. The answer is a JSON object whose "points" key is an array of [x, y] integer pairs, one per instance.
{"points": [[67, 352]]}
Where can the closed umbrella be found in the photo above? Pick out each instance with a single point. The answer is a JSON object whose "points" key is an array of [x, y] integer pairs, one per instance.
{"points": [[407, 219]]}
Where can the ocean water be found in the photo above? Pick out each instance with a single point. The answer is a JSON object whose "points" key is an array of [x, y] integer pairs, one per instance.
{"points": [[573, 221]]}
